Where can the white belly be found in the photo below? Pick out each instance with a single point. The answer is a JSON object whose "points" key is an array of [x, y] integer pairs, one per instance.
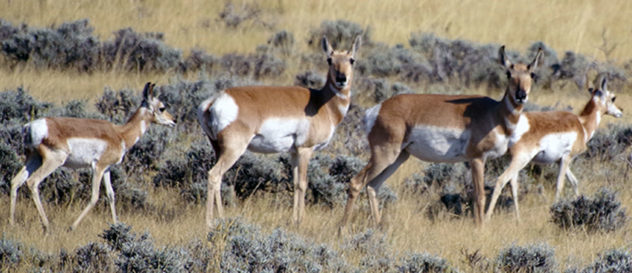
{"points": [[436, 144], [279, 135], [84, 151], [554, 146]]}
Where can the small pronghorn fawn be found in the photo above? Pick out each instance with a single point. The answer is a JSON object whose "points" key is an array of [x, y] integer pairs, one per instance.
{"points": [[442, 128], [76, 143], [556, 136], [271, 119]]}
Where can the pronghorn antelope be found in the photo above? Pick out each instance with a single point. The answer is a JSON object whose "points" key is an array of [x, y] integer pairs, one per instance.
{"points": [[442, 128], [268, 119], [555, 137], [72, 142]]}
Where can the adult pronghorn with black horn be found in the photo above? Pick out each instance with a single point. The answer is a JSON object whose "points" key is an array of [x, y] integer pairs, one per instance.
{"points": [[556, 137], [76, 143], [272, 119], [442, 128]]}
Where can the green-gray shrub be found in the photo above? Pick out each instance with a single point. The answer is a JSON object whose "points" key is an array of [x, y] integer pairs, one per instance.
{"points": [[603, 212], [527, 259]]}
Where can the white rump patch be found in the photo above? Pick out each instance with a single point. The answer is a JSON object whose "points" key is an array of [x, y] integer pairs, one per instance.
{"points": [[222, 113], [437, 144], [279, 135], [39, 131], [519, 130], [370, 116], [84, 151], [554, 146]]}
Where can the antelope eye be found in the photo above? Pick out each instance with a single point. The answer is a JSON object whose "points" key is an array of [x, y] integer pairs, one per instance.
{"points": [[162, 109], [508, 75], [329, 61], [351, 61], [532, 75], [613, 98]]}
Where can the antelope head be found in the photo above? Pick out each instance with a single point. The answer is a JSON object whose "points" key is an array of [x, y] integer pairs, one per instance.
{"points": [[605, 99], [520, 76], [155, 108], [340, 64]]}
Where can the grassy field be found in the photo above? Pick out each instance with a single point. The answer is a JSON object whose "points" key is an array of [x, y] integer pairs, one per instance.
{"points": [[598, 30]]}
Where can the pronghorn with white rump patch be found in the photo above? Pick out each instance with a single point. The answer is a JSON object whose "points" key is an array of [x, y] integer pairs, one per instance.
{"points": [[442, 128], [76, 143], [555, 137], [271, 119]]}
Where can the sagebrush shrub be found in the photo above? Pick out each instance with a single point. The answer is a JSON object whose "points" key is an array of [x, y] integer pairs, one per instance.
{"points": [[267, 65], [340, 34], [527, 259], [608, 145], [603, 212], [375, 252], [146, 153], [310, 79], [71, 45], [19, 105], [94, 257], [140, 51], [182, 98], [424, 263], [248, 249], [10, 165], [613, 260], [283, 41], [138, 253], [233, 17], [118, 106], [11, 253], [199, 60]]}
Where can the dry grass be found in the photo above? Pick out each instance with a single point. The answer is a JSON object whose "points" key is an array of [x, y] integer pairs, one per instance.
{"points": [[407, 228], [581, 26]]}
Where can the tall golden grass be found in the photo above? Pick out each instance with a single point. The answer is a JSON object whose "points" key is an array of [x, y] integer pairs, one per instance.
{"points": [[598, 29]]}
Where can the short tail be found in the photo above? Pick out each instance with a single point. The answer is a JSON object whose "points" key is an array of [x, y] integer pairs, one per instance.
{"points": [[27, 136], [370, 116], [204, 116]]}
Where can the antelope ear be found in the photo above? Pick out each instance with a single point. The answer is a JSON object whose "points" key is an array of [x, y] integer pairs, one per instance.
{"points": [[534, 64], [147, 90], [502, 58], [327, 47], [356, 44]]}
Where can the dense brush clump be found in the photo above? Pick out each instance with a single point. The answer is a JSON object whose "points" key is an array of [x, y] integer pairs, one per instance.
{"points": [[310, 79], [94, 257], [138, 253], [118, 106], [282, 41], [613, 260], [247, 249], [140, 51], [376, 254], [603, 212], [340, 34], [607, 145], [18, 104], [71, 45], [10, 165], [11, 253], [425, 263], [529, 259]]}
